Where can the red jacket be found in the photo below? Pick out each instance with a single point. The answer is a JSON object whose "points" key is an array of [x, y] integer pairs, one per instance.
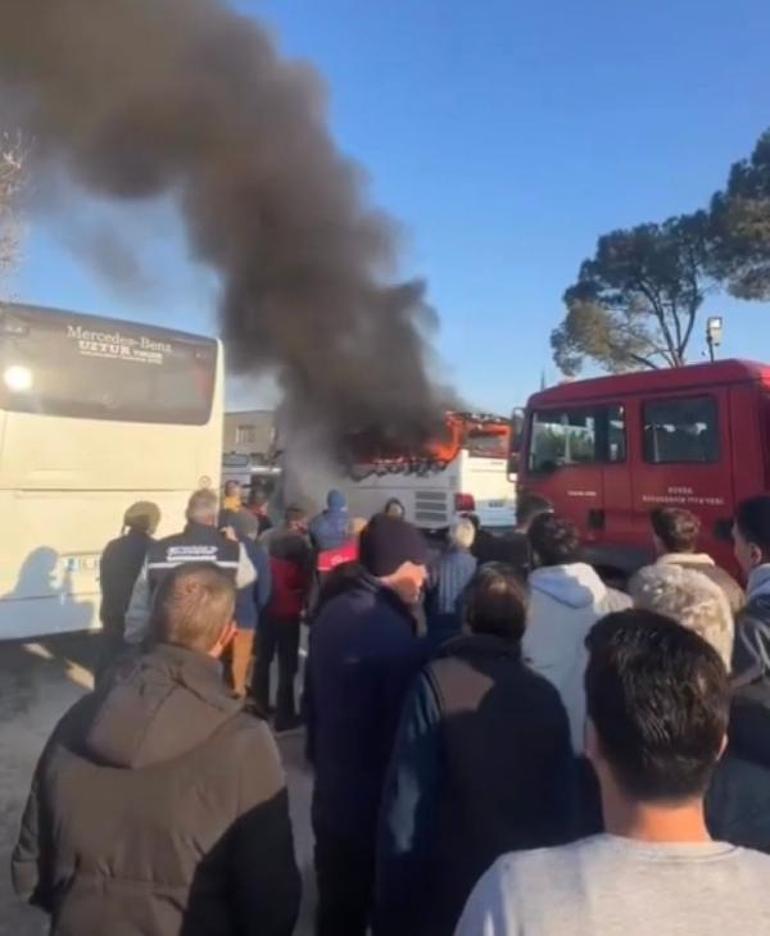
{"points": [[291, 587]]}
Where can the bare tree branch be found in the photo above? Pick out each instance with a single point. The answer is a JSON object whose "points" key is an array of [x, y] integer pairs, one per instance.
{"points": [[13, 163]]}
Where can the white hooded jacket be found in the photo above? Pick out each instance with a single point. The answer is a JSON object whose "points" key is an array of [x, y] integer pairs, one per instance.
{"points": [[565, 603]]}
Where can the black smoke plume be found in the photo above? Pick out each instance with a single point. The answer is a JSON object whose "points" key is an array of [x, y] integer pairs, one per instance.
{"points": [[137, 99]]}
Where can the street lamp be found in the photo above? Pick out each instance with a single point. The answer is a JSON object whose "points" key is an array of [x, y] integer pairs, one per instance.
{"points": [[713, 333]]}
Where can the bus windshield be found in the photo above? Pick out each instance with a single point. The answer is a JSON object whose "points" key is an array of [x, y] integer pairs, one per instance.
{"points": [[64, 364]]}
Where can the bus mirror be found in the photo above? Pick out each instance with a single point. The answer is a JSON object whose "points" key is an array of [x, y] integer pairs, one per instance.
{"points": [[513, 465]]}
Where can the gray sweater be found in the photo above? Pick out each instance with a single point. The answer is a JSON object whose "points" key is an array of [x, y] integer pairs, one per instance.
{"points": [[610, 886]]}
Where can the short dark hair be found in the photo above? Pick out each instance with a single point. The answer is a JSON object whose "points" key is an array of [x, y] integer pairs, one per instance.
{"points": [[496, 602], [192, 606], [678, 529], [231, 486], [753, 520], [529, 506], [294, 513], [554, 540], [658, 697]]}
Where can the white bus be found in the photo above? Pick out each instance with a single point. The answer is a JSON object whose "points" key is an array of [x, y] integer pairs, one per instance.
{"points": [[465, 473], [95, 414]]}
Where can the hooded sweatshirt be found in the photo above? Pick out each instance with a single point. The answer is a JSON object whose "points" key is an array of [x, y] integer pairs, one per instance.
{"points": [[565, 603], [159, 807], [331, 529]]}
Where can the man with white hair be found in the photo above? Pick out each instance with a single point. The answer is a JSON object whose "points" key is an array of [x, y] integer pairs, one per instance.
{"points": [[450, 577], [689, 597], [200, 541]]}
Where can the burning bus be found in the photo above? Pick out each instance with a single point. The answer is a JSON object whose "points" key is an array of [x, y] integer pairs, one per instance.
{"points": [[465, 471]]}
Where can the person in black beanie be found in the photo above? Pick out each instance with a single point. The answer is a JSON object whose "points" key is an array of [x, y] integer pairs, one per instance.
{"points": [[363, 657]]}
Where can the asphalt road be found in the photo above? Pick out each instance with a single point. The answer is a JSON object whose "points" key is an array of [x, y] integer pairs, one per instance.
{"points": [[38, 683]]}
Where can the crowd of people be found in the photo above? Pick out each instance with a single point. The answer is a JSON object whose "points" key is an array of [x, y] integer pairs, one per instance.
{"points": [[502, 744]]}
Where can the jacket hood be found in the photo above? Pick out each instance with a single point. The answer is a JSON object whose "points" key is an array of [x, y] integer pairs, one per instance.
{"points": [[575, 585], [157, 707], [336, 500], [330, 529], [759, 583]]}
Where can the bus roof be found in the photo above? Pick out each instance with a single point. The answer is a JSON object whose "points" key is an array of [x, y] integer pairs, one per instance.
{"points": [[87, 318], [676, 378]]}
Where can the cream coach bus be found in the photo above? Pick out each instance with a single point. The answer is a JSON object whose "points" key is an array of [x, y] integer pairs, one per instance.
{"points": [[95, 414]]}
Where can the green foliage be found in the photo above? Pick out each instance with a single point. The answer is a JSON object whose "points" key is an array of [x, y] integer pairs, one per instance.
{"points": [[740, 218], [636, 301]]}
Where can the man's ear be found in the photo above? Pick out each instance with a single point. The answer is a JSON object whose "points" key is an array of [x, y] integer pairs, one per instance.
{"points": [[224, 640], [592, 746], [723, 747]]}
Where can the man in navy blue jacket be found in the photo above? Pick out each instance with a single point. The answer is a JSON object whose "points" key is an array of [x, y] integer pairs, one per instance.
{"points": [[363, 657]]}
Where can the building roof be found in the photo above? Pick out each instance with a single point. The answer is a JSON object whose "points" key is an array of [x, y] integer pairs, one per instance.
{"points": [[638, 382]]}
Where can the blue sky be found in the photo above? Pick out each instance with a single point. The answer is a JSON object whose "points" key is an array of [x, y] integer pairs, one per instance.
{"points": [[505, 136]]}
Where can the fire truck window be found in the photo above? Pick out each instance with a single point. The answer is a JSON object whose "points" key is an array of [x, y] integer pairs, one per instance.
{"points": [[616, 434], [681, 431], [561, 438]]}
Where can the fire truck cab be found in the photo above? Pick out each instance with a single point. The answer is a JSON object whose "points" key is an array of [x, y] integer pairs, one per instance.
{"points": [[608, 451]]}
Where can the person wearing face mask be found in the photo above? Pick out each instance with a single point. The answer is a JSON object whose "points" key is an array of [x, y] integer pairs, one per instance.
{"points": [[363, 656]]}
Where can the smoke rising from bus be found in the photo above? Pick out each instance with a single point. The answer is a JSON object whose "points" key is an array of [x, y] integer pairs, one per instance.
{"points": [[138, 99]]}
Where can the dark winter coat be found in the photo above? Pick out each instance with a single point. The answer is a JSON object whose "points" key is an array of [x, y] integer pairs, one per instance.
{"points": [[363, 656], [750, 717], [159, 808], [483, 765], [119, 568], [738, 801]]}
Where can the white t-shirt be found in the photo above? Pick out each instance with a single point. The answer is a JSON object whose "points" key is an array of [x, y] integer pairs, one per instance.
{"points": [[610, 886]]}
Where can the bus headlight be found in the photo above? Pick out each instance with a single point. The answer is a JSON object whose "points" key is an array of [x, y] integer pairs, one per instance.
{"points": [[18, 378]]}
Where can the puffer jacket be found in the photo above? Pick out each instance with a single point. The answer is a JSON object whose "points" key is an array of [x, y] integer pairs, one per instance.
{"points": [[159, 808], [565, 602]]}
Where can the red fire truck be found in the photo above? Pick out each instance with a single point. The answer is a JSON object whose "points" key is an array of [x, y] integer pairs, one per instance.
{"points": [[608, 451]]}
